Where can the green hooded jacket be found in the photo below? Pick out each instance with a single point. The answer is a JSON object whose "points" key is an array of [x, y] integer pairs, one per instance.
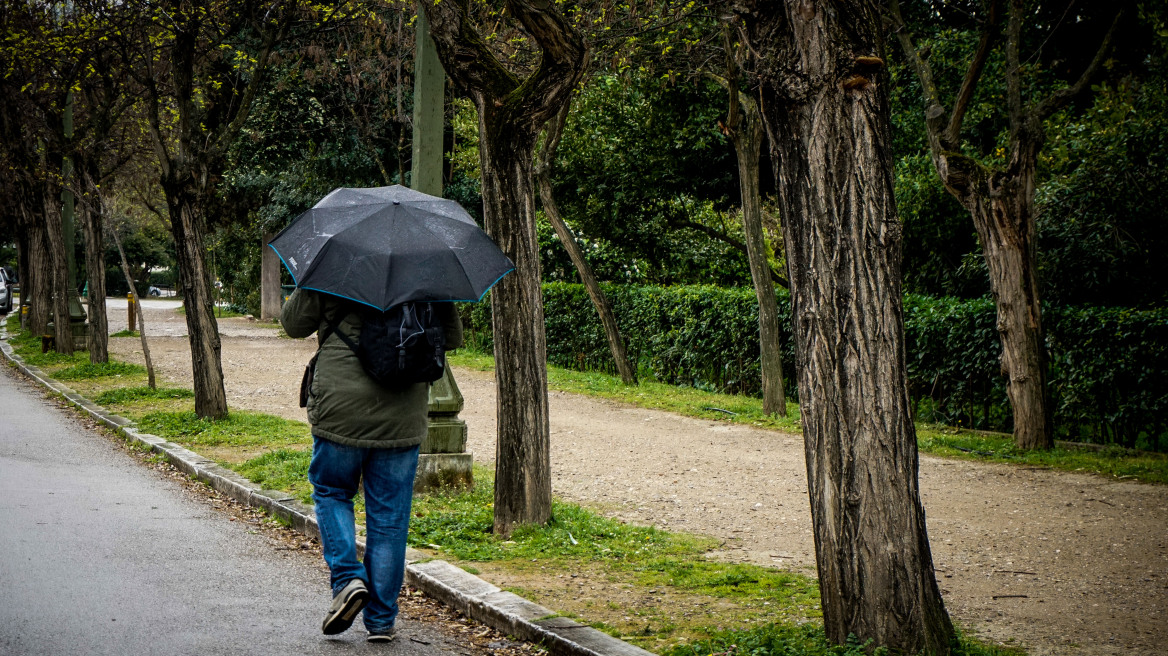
{"points": [[345, 405]]}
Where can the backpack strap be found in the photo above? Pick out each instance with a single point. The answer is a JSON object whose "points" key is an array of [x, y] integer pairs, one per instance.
{"points": [[332, 328]]}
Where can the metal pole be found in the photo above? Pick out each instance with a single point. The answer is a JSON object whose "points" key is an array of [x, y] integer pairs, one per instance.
{"points": [[429, 87], [444, 459], [76, 314]]}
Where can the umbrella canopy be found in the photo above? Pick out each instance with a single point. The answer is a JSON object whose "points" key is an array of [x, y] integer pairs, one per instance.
{"points": [[387, 245]]}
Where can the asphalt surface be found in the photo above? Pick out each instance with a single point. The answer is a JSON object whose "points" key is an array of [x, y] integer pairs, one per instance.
{"points": [[100, 555]]}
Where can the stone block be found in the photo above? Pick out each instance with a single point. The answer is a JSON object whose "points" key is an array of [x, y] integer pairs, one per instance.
{"points": [[436, 470], [446, 434]]}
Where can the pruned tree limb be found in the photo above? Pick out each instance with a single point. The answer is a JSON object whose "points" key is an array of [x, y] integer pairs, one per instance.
{"points": [[951, 137], [726, 239], [1062, 97]]}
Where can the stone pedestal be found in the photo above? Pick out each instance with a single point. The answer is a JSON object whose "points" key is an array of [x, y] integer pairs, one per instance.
{"points": [[444, 460]]}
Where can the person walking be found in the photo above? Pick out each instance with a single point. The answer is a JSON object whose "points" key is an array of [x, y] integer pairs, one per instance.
{"points": [[363, 432]]}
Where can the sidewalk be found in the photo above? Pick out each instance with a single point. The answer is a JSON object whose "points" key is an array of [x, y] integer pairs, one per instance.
{"points": [[474, 597], [1095, 545]]}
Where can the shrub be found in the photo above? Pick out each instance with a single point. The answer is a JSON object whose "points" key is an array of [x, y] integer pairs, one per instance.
{"points": [[1108, 371]]}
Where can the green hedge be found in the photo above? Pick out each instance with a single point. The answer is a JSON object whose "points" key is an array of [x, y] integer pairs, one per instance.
{"points": [[1108, 366]]}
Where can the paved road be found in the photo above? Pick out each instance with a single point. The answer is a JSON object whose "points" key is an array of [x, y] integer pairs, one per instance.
{"points": [[99, 555]]}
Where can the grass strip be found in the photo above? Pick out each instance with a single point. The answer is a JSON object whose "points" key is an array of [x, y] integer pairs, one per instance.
{"points": [[129, 395], [239, 429], [932, 439], [1107, 460], [89, 370], [805, 640]]}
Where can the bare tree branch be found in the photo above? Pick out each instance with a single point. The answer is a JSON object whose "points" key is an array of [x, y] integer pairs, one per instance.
{"points": [[952, 134], [1013, 70], [1062, 97], [725, 239]]}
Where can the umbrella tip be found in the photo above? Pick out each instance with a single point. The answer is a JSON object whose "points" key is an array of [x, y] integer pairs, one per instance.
{"points": [[396, 202]]}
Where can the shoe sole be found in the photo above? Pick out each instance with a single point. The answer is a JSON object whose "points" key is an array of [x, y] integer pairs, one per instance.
{"points": [[342, 619]]}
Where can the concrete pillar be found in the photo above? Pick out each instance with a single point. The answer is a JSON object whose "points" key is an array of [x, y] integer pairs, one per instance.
{"points": [[444, 460], [77, 316], [429, 90]]}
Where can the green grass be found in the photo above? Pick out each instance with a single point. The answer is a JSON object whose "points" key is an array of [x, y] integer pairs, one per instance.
{"points": [[461, 521], [935, 440], [1110, 461], [283, 469], [129, 395], [99, 370], [803, 640], [239, 429], [125, 333], [220, 313]]}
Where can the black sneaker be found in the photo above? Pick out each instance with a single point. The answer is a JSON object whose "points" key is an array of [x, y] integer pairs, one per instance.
{"points": [[346, 604], [383, 636]]}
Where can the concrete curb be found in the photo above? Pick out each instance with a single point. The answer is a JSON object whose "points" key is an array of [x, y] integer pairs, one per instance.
{"points": [[453, 586]]}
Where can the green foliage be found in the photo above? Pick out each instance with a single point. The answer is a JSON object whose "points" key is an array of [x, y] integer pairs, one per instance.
{"points": [[126, 333], [702, 336], [1102, 214], [1106, 375], [1108, 366], [124, 395], [99, 370], [1109, 460], [638, 156]]}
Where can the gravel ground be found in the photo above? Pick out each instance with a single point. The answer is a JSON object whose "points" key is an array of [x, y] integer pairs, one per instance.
{"points": [[1058, 562]]}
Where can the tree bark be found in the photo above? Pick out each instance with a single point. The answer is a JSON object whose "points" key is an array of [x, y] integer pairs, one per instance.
{"points": [[523, 485], [138, 307], [35, 286], [97, 338], [825, 105], [747, 146], [270, 291], [58, 275], [511, 114], [547, 156], [1002, 207], [203, 331], [1001, 203], [744, 126]]}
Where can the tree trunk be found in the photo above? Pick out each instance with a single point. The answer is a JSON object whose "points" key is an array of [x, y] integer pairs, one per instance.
{"points": [[523, 484], [58, 276], [97, 338], [36, 290], [137, 306], [1002, 207], [23, 246], [746, 134], [511, 114], [1007, 232], [194, 277], [270, 291], [825, 104], [616, 343]]}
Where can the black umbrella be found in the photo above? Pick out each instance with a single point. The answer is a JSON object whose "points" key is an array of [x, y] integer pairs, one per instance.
{"points": [[388, 245]]}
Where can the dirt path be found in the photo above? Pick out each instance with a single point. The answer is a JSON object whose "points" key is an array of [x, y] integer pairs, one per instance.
{"points": [[1079, 563]]}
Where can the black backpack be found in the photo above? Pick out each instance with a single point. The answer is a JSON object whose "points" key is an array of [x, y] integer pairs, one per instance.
{"points": [[402, 346]]}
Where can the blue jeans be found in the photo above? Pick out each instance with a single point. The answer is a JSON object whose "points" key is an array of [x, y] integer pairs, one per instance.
{"points": [[389, 488]]}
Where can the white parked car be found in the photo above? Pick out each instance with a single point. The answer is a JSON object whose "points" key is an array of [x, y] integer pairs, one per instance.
{"points": [[6, 285]]}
